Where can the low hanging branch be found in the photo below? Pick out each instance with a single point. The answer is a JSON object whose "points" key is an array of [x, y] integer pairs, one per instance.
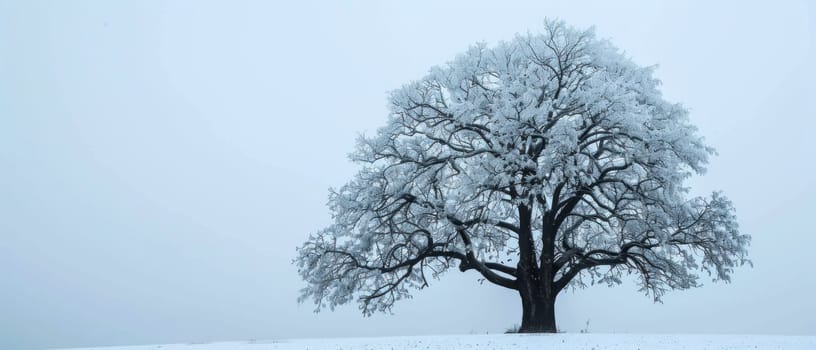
{"points": [[541, 163]]}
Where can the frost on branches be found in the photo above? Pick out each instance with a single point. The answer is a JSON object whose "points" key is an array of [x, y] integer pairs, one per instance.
{"points": [[544, 162]]}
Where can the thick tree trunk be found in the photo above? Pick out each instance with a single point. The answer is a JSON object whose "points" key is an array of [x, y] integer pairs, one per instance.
{"points": [[535, 280], [538, 313], [536, 286]]}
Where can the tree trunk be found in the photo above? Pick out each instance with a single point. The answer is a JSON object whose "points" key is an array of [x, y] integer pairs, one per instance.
{"points": [[538, 313], [536, 280]]}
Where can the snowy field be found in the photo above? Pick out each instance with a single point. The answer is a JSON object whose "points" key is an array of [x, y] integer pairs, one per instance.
{"points": [[511, 342]]}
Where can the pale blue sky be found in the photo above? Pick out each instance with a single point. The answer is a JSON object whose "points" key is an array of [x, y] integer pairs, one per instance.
{"points": [[162, 160]]}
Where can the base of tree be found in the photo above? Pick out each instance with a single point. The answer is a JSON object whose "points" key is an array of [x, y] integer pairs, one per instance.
{"points": [[537, 329], [538, 314]]}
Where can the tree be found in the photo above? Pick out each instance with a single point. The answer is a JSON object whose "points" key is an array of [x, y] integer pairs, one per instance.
{"points": [[545, 162]]}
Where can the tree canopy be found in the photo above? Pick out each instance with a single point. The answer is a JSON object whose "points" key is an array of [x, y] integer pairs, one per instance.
{"points": [[547, 161]]}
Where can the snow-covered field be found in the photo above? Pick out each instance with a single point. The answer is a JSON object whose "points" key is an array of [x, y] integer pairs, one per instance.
{"points": [[562, 341]]}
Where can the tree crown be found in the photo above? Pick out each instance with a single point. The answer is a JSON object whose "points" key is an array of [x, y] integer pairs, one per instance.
{"points": [[550, 153]]}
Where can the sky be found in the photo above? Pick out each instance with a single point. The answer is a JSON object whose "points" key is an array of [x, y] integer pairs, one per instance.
{"points": [[160, 161]]}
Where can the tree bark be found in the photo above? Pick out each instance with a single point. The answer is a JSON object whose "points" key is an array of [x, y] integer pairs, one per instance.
{"points": [[536, 286], [538, 314], [538, 310]]}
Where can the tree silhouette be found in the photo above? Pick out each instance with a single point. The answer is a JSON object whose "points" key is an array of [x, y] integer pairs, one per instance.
{"points": [[548, 161]]}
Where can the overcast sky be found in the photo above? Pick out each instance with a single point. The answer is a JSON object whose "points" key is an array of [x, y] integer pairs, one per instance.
{"points": [[160, 161]]}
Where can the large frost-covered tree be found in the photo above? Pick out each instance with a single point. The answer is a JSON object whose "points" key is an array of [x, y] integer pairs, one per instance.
{"points": [[545, 162]]}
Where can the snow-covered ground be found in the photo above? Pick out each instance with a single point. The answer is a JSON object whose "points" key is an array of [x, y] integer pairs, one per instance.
{"points": [[563, 341]]}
